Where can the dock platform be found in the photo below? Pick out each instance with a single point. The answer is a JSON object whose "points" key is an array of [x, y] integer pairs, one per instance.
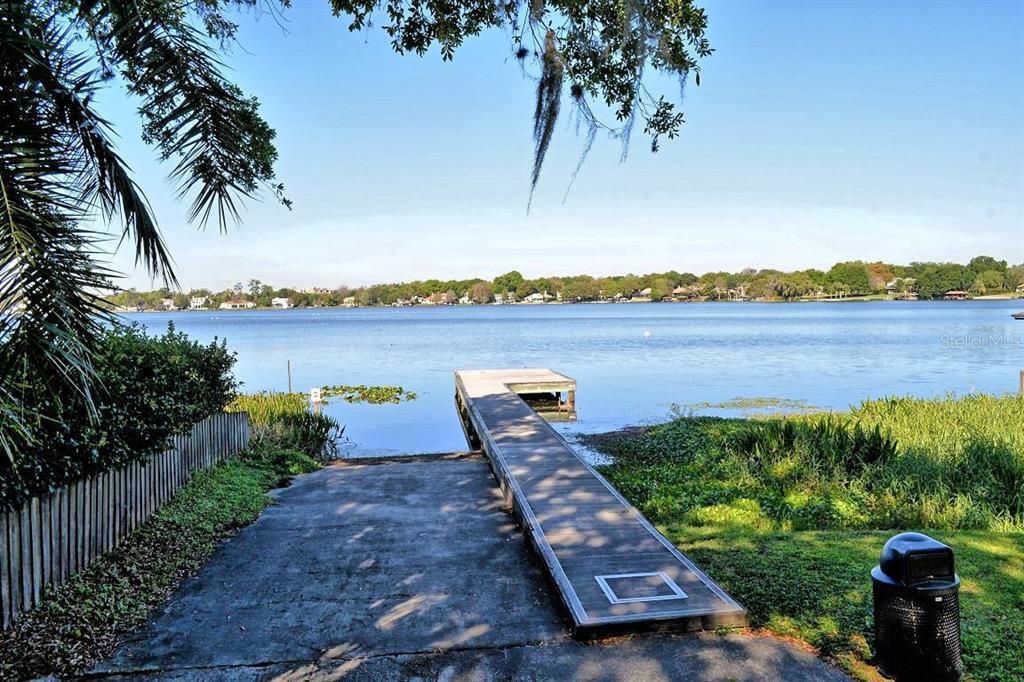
{"points": [[612, 569]]}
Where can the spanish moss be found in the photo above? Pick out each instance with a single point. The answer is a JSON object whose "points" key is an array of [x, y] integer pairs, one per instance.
{"points": [[588, 143], [549, 99]]}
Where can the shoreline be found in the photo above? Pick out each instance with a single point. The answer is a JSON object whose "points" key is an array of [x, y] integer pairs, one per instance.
{"points": [[858, 299]]}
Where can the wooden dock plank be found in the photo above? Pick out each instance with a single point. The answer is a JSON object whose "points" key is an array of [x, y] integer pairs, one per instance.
{"points": [[611, 567]]}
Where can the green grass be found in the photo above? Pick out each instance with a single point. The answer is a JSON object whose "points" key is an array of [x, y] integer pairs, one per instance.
{"points": [[815, 586], [789, 512], [81, 621]]}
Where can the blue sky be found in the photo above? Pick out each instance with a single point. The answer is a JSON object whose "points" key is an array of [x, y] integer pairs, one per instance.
{"points": [[821, 131]]}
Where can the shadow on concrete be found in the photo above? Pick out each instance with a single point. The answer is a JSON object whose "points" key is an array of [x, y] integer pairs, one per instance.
{"points": [[401, 569]]}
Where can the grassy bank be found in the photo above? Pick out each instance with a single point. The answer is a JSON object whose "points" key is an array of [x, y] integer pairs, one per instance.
{"points": [[789, 513]]}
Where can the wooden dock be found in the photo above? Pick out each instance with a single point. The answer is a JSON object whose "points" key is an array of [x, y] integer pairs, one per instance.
{"points": [[612, 569]]}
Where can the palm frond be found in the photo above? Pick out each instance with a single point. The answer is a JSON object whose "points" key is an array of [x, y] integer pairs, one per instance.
{"points": [[50, 315], [223, 148], [14, 432], [69, 84]]}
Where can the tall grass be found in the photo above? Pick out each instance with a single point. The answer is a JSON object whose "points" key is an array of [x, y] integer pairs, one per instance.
{"points": [[961, 460], [263, 408], [282, 421], [946, 463]]}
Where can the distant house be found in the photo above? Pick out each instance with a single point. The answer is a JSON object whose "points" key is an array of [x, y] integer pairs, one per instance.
{"points": [[466, 300], [898, 283], [198, 302], [167, 304], [642, 295], [538, 297], [901, 288], [281, 302], [955, 295], [237, 305], [349, 302], [499, 299], [684, 293], [439, 298]]}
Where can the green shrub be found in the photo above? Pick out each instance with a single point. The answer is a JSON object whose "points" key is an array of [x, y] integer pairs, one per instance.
{"points": [[284, 462], [293, 462], [316, 435], [151, 388]]}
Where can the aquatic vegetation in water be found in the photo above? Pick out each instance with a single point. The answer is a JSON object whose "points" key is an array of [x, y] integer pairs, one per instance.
{"points": [[751, 403], [285, 419], [262, 407], [375, 395]]}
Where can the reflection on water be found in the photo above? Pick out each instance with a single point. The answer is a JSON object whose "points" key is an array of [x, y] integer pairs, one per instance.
{"points": [[631, 361]]}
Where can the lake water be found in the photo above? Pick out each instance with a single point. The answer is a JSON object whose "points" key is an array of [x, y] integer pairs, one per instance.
{"points": [[632, 361]]}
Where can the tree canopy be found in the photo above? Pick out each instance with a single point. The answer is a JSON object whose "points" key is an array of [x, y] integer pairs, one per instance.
{"points": [[510, 282], [59, 165], [598, 50], [920, 280]]}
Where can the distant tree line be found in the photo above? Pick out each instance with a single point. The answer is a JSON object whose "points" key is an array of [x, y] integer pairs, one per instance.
{"points": [[982, 275]]}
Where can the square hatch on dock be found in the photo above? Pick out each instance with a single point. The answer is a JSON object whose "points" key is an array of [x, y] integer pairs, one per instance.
{"points": [[612, 569], [626, 588]]}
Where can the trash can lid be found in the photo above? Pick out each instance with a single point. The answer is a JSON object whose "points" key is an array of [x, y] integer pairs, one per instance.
{"points": [[910, 558]]}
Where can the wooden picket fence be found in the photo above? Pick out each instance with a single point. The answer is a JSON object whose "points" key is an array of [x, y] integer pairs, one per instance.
{"points": [[53, 536]]}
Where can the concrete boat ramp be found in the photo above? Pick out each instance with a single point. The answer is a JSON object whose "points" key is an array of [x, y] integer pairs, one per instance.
{"points": [[612, 569], [409, 568]]}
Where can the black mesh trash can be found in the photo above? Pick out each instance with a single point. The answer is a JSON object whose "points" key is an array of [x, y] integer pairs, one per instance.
{"points": [[917, 609]]}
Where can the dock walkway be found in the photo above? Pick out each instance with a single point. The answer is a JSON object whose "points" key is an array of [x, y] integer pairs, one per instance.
{"points": [[613, 570]]}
